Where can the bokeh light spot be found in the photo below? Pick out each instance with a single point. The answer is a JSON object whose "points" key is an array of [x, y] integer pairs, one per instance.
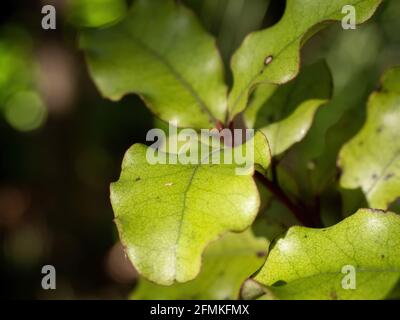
{"points": [[25, 111]]}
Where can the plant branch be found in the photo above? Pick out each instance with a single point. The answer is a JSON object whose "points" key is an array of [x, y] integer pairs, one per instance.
{"points": [[274, 171], [286, 201]]}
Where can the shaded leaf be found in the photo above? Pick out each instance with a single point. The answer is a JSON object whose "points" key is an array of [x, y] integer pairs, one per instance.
{"points": [[230, 20], [285, 113], [364, 162], [356, 64], [172, 64], [95, 13]]}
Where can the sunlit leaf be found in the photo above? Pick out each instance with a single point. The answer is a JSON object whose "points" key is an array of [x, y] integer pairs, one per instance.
{"points": [[167, 214], [309, 263], [272, 55], [355, 62]]}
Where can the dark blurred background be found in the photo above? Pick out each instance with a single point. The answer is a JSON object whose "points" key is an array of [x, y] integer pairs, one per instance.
{"points": [[62, 143]]}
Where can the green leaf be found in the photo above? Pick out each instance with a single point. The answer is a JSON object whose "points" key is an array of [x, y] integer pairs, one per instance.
{"points": [[272, 55], [227, 263], [160, 52], [95, 13], [285, 113], [356, 63], [262, 152], [167, 213], [252, 290], [307, 263], [231, 20], [395, 294], [364, 162]]}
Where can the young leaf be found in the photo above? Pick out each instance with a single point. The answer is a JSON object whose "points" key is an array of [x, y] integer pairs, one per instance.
{"points": [[167, 213], [313, 161], [161, 52], [364, 162], [227, 263], [285, 113], [272, 55], [316, 263]]}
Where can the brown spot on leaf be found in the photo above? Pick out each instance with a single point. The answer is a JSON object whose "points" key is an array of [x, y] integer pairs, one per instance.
{"points": [[268, 60], [388, 176], [261, 254]]}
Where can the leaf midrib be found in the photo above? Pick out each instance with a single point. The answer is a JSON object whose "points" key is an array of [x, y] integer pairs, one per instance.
{"points": [[180, 78], [183, 211]]}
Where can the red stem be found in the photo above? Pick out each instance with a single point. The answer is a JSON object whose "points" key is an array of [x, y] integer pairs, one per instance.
{"points": [[286, 201]]}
